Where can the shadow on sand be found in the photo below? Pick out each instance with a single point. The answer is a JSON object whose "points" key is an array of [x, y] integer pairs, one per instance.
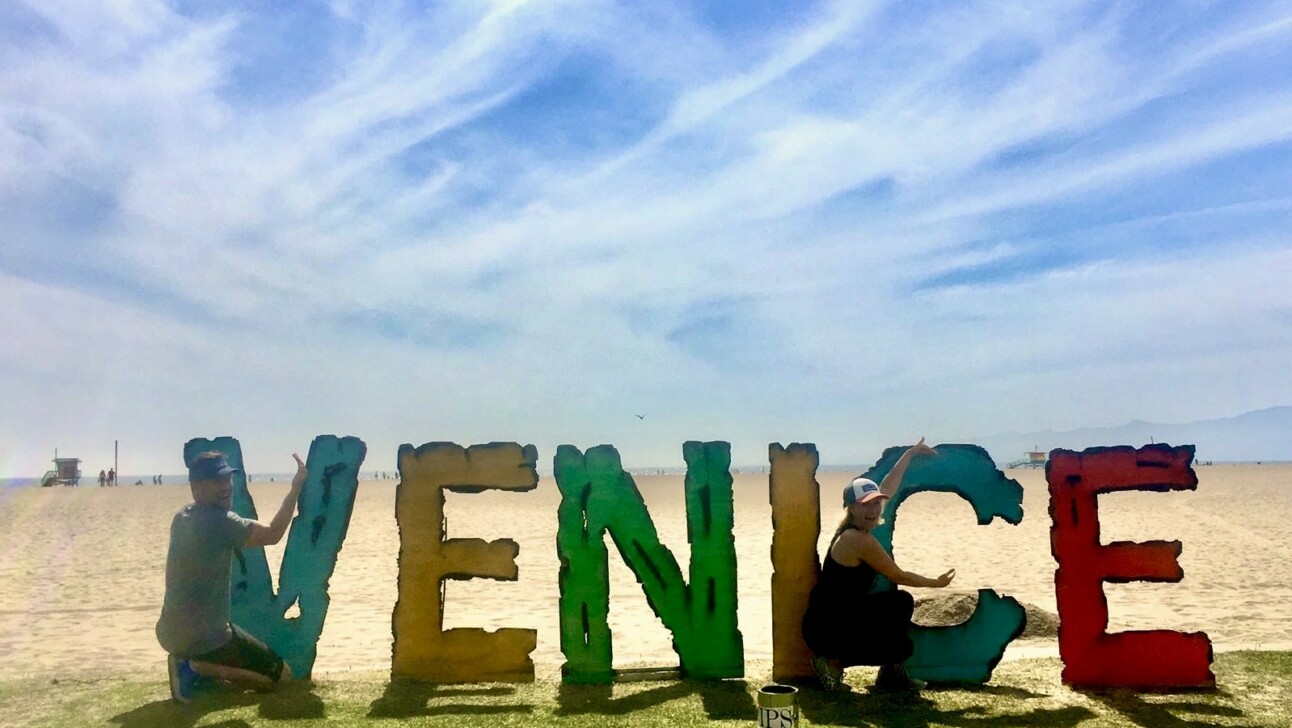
{"points": [[293, 701], [722, 699], [411, 698], [869, 707], [1140, 708]]}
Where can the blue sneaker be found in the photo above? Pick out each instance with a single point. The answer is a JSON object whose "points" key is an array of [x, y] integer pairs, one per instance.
{"points": [[185, 683]]}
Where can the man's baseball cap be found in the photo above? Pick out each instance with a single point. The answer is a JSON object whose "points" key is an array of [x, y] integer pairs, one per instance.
{"points": [[861, 490], [210, 466]]}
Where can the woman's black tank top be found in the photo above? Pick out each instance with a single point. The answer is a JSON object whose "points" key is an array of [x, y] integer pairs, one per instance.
{"points": [[841, 584]]}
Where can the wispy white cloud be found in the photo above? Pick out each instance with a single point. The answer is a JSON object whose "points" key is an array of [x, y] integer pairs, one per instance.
{"points": [[855, 208]]}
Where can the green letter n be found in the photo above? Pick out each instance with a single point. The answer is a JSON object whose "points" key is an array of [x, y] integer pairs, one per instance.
{"points": [[597, 497]]}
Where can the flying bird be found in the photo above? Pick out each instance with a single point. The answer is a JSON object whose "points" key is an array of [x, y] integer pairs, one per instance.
{"points": [[641, 417]]}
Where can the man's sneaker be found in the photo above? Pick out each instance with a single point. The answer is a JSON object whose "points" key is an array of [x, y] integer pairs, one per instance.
{"points": [[185, 683], [831, 678]]}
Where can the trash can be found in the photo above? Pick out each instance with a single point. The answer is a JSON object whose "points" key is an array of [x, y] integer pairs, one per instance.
{"points": [[778, 706]]}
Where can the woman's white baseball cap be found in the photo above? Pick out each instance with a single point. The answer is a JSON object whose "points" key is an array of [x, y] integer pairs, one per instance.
{"points": [[861, 490]]}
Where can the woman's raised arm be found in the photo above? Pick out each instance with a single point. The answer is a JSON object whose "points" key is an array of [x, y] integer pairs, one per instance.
{"points": [[893, 480]]}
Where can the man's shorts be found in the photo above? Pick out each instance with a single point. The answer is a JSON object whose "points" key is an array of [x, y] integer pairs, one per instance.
{"points": [[246, 653]]}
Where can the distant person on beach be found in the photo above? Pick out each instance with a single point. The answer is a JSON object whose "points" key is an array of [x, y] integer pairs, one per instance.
{"points": [[194, 628], [112, 477], [103, 478], [845, 624]]}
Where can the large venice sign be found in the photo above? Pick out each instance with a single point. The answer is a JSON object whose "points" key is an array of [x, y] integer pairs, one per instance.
{"points": [[600, 501]]}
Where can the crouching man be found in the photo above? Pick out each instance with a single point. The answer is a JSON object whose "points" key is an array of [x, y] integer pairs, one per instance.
{"points": [[194, 628]]}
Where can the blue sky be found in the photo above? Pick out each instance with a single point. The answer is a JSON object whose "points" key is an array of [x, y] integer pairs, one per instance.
{"points": [[845, 223]]}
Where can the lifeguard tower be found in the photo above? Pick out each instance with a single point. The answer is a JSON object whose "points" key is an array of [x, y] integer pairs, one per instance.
{"points": [[1033, 459], [67, 471]]}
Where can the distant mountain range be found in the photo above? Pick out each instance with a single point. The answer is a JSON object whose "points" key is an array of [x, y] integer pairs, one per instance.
{"points": [[1253, 436]]}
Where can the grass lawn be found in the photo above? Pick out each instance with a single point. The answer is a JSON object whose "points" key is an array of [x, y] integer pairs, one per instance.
{"points": [[1254, 689]]}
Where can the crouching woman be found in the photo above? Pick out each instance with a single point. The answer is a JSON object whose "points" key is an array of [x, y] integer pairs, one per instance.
{"points": [[845, 624]]}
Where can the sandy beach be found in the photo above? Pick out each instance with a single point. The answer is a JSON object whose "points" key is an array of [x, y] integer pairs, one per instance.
{"points": [[82, 567]]}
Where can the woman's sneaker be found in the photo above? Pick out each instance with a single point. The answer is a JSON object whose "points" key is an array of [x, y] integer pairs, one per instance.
{"points": [[895, 679], [830, 677], [185, 683]]}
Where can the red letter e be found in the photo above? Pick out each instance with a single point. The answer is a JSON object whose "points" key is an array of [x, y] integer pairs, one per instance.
{"points": [[1091, 656]]}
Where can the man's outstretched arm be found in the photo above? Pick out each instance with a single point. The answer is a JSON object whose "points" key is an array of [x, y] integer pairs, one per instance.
{"points": [[268, 534]]}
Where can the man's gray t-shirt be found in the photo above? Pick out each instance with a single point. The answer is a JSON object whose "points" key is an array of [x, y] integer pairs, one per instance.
{"points": [[195, 614]]}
